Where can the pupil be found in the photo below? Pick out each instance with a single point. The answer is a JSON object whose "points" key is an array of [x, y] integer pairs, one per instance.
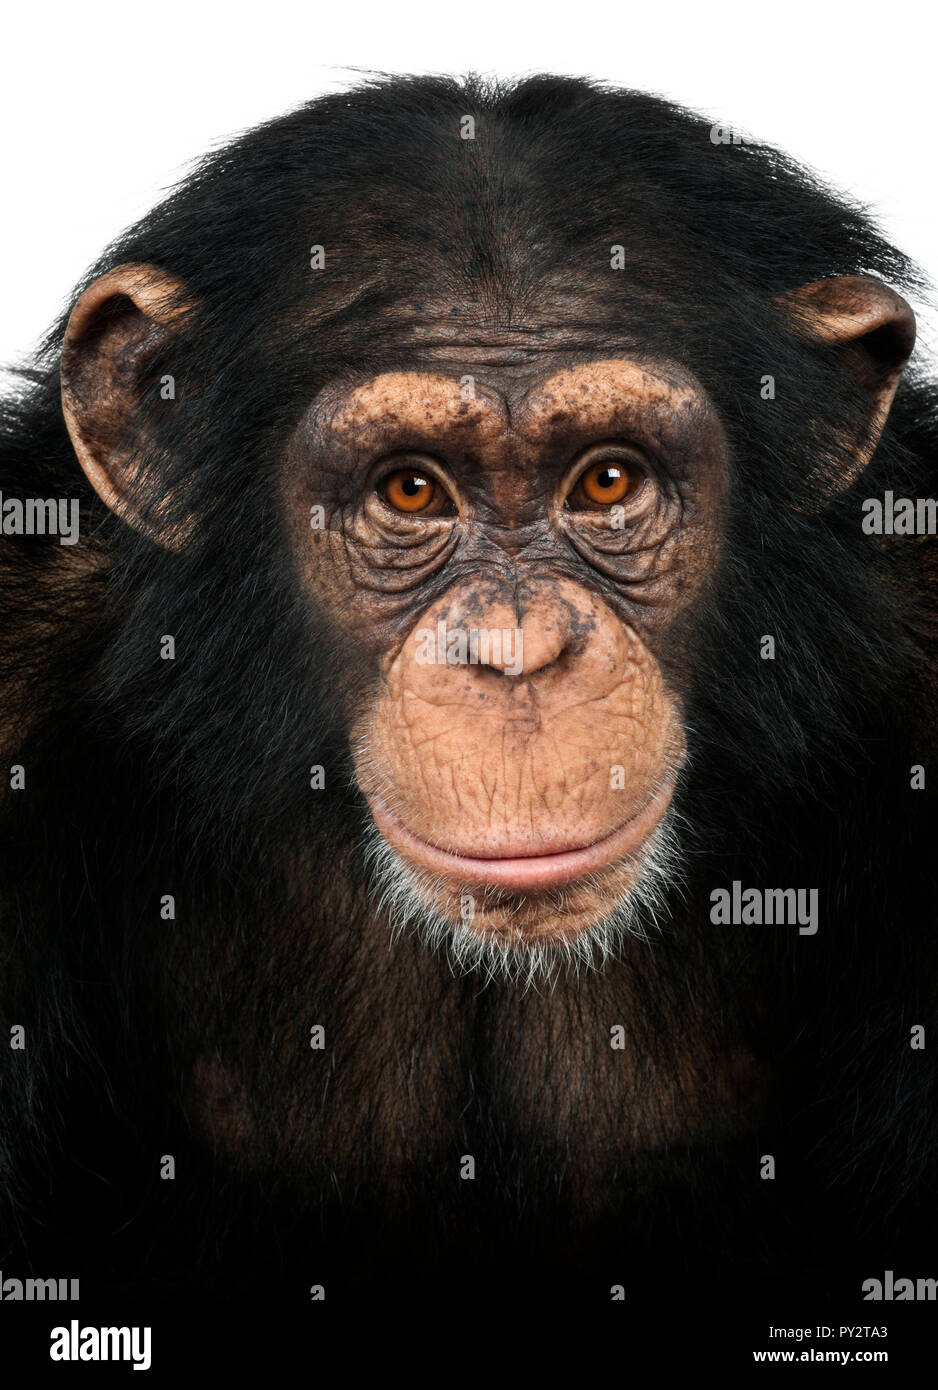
{"points": [[608, 477], [412, 486]]}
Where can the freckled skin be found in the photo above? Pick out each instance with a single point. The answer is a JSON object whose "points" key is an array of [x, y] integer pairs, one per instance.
{"points": [[468, 757], [477, 757]]}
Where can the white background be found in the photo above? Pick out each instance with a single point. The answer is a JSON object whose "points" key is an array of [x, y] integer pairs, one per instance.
{"points": [[103, 104]]}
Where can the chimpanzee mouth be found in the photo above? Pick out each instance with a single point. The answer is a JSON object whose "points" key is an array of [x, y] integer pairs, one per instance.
{"points": [[520, 869], [528, 939]]}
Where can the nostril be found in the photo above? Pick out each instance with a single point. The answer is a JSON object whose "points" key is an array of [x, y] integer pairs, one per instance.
{"points": [[559, 662], [537, 638], [544, 663], [520, 671], [502, 651], [542, 648]]}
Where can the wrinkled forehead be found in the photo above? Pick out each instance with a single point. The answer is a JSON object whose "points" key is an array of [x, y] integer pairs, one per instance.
{"points": [[483, 405]]}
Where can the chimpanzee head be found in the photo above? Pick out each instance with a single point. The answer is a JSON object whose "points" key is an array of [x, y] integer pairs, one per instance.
{"points": [[448, 445]]}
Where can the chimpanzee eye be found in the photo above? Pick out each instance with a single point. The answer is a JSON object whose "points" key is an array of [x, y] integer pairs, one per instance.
{"points": [[415, 493], [605, 482]]}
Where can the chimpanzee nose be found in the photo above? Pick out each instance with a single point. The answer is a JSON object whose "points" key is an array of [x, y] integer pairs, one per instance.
{"points": [[539, 639]]}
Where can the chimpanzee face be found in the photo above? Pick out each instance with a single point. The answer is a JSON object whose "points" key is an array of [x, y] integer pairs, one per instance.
{"points": [[510, 541], [512, 545]]}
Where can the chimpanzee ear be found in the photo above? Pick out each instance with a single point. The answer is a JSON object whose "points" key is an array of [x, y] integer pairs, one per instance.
{"points": [[876, 328], [113, 332]]}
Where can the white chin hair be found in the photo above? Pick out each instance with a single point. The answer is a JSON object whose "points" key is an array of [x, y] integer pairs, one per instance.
{"points": [[638, 914]]}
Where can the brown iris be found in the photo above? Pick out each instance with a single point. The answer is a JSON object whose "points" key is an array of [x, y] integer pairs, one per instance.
{"points": [[604, 483], [415, 493]]}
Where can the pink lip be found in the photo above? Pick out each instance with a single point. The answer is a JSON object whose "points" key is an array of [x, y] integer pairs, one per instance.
{"points": [[522, 873]]}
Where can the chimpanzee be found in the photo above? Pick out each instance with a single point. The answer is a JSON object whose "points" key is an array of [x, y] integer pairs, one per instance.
{"points": [[468, 809]]}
